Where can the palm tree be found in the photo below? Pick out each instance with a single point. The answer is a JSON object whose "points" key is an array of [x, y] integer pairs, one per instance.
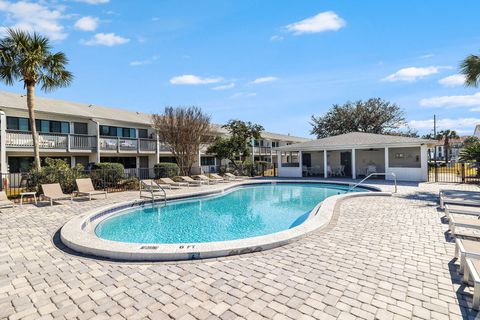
{"points": [[470, 68], [471, 153], [446, 135], [26, 57]]}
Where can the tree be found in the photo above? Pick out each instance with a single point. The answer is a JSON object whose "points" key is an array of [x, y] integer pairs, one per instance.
{"points": [[372, 116], [468, 141], [184, 130], [470, 68], [471, 153], [239, 141], [446, 136], [28, 58]]}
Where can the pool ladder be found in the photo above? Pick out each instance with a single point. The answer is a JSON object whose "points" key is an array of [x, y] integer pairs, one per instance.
{"points": [[376, 174], [152, 190]]}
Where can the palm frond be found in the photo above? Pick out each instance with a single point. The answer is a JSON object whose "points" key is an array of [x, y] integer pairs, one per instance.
{"points": [[470, 68]]}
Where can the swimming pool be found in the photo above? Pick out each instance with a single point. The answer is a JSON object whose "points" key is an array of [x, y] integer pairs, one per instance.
{"points": [[249, 211], [235, 218]]}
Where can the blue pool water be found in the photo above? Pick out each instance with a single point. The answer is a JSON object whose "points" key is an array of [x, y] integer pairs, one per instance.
{"points": [[246, 212]]}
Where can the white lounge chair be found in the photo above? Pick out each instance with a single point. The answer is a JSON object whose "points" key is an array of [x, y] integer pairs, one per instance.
{"points": [[53, 192], [234, 177], [217, 178], [459, 209], [4, 202], [206, 179], [191, 182], [471, 198], [85, 187], [472, 273], [466, 249], [172, 183], [462, 222]]}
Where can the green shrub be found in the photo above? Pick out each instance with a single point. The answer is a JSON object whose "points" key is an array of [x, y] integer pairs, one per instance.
{"points": [[165, 170], [107, 174], [131, 183], [55, 171]]}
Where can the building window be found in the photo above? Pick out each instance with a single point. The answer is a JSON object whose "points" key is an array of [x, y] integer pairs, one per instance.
{"points": [[83, 160], [143, 133], [23, 124], [80, 128], [111, 131], [128, 162], [275, 144], [207, 161], [24, 164], [168, 159]]}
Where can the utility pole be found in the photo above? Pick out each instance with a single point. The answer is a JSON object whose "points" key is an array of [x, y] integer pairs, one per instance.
{"points": [[435, 147]]}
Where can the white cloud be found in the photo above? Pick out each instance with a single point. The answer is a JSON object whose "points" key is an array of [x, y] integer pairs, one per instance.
{"points": [[427, 56], [87, 23], [264, 80], [31, 16], [412, 74], [455, 80], [472, 100], [137, 63], [324, 21], [191, 79], [106, 39], [276, 38], [447, 123], [224, 87], [94, 1], [243, 95]]}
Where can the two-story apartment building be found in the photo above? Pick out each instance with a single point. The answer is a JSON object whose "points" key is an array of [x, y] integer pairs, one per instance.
{"points": [[88, 133]]}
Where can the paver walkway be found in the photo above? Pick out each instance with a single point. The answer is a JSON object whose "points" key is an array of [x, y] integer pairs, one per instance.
{"points": [[381, 258]]}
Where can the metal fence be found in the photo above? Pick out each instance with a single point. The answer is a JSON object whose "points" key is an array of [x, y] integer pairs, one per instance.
{"points": [[454, 172], [110, 180]]}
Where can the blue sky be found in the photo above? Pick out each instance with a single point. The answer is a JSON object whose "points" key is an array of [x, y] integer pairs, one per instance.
{"points": [[271, 62]]}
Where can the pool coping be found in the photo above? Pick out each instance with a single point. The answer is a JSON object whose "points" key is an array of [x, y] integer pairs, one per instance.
{"points": [[78, 233]]}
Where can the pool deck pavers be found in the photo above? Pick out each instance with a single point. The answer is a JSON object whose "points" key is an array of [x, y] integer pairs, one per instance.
{"points": [[380, 258]]}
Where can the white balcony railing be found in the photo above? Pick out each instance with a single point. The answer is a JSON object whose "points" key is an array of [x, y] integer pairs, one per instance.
{"points": [[67, 142], [127, 144], [50, 141]]}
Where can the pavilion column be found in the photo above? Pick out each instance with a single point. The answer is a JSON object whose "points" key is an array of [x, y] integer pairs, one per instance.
{"points": [[354, 166], [325, 164], [386, 159], [3, 143]]}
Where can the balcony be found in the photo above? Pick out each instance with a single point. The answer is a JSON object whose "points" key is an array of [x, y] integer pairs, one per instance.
{"points": [[128, 145], [50, 141], [262, 150], [22, 140]]}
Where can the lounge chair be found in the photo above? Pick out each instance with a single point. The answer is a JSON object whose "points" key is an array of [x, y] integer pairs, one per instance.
{"points": [[149, 184], [466, 249], [463, 222], [4, 202], [231, 176], [459, 209], [85, 187], [463, 197], [472, 273], [191, 182], [206, 179], [172, 183], [218, 178], [53, 192]]}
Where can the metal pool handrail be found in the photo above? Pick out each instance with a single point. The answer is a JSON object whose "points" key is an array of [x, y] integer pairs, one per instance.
{"points": [[376, 174], [152, 192]]}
